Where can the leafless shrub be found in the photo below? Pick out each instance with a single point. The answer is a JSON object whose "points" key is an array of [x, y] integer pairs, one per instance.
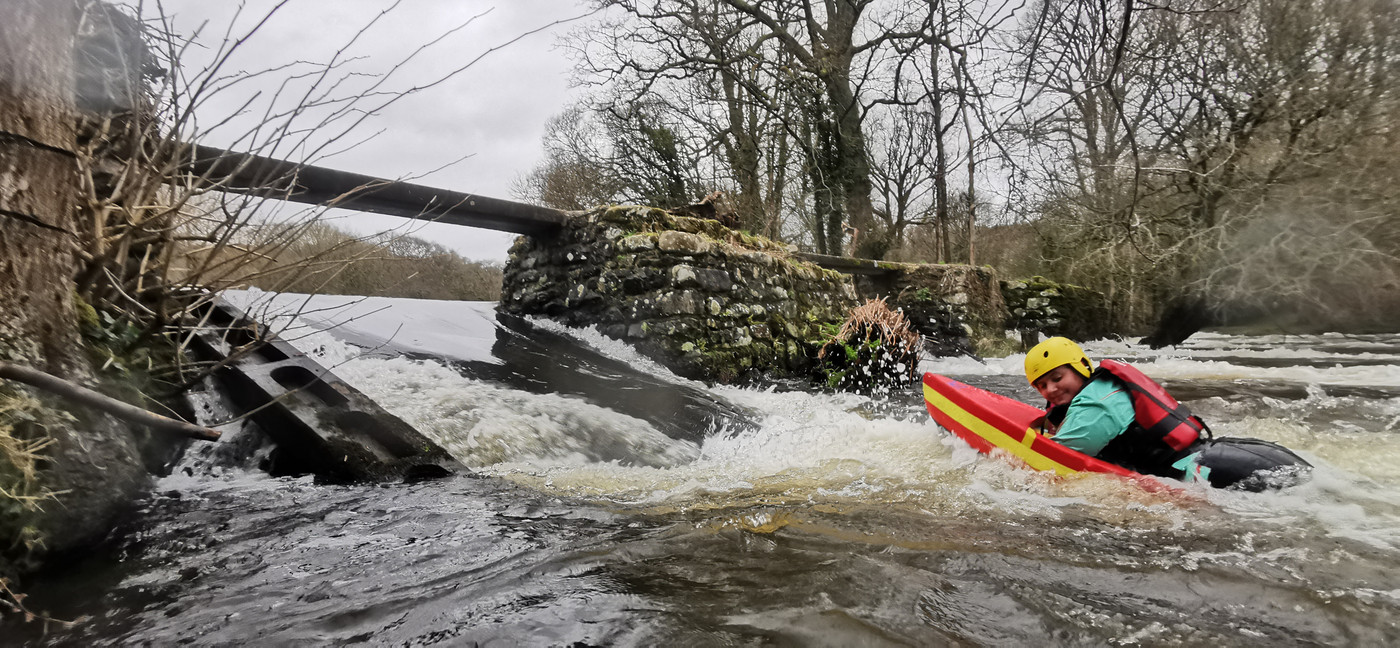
{"points": [[162, 239]]}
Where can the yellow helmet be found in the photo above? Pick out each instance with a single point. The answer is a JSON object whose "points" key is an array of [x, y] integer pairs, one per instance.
{"points": [[1054, 352]]}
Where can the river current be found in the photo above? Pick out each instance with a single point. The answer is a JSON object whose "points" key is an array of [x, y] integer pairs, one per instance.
{"points": [[613, 503]]}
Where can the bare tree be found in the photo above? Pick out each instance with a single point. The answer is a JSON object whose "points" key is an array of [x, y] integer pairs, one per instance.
{"points": [[716, 74], [941, 81], [825, 40], [768, 76], [1160, 134], [905, 173]]}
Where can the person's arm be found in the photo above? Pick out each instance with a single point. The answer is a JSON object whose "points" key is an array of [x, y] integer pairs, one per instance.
{"points": [[1089, 426]]}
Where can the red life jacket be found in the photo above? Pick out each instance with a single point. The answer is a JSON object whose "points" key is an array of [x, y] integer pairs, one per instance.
{"points": [[1154, 410]]}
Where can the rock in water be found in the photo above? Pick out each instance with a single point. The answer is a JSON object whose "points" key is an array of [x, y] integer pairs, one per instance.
{"points": [[1183, 318], [874, 352]]}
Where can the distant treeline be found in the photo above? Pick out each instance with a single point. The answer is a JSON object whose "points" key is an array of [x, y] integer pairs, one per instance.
{"points": [[319, 258]]}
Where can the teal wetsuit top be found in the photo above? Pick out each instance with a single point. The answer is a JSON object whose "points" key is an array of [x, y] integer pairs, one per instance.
{"points": [[1098, 413], [1102, 411]]}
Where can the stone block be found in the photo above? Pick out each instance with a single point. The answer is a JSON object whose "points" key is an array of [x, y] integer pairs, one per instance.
{"points": [[736, 309], [643, 280], [715, 280], [708, 279], [683, 276], [683, 243], [686, 302], [638, 243], [677, 327]]}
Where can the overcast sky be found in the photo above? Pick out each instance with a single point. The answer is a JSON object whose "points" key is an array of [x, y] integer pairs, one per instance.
{"points": [[493, 112]]}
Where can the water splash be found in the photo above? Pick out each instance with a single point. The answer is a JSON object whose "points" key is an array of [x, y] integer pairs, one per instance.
{"points": [[846, 453]]}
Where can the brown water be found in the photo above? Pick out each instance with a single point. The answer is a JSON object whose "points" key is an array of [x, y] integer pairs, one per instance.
{"points": [[765, 517]]}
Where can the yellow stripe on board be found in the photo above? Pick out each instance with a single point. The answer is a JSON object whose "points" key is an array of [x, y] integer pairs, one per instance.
{"points": [[994, 436]]}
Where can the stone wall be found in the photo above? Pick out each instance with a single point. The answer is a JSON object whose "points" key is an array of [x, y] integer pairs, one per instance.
{"points": [[1039, 306], [704, 300], [714, 303], [957, 308]]}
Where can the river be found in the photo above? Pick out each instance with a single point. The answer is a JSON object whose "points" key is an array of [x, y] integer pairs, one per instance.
{"points": [[613, 503]]}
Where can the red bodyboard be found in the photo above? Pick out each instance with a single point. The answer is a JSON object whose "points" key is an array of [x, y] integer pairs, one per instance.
{"points": [[987, 421]]}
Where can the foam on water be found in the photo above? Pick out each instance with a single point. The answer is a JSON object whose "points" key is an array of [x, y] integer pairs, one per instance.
{"points": [[616, 349], [807, 447], [483, 425], [1187, 364], [969, 366], [829, 450]]}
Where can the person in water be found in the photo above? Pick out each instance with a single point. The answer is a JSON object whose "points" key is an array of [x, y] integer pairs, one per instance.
{"points": [[1120, 416]]}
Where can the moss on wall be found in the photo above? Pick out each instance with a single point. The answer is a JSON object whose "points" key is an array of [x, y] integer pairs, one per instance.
{"points": [[707, 301]]}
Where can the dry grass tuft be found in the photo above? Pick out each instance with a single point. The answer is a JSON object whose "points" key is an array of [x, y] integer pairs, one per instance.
{"points": [[21, 449], [875, 351], [874, 319]]}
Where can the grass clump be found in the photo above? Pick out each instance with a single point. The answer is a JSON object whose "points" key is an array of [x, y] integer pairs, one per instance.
{"points": [[22, 443], [875, 351]]}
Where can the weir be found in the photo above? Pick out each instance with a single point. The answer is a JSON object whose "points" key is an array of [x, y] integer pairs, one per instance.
{"points": [[706, 301]]}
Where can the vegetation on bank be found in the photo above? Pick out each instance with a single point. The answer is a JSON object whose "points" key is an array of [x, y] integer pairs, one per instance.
{"points": [[22, 443], [875, 351], [321, 259]]}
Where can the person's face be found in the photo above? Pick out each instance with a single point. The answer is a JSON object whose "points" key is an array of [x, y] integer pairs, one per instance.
{"points": [[1059, 385]]}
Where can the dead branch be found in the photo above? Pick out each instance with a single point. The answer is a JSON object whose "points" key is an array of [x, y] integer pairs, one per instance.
{"points": [[84, 396]]}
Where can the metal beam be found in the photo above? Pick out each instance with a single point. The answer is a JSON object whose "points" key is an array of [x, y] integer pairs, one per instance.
{"points": [[303, 183]]}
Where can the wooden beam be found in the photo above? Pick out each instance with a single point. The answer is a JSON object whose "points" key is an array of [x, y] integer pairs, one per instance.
{"points": [[848, 265]]}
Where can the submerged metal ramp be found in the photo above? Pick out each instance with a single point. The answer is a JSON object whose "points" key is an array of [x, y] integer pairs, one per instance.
{"points": [[320, 424]]}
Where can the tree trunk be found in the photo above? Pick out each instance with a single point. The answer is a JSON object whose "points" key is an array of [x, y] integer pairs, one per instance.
{"points": [[941, 214], [853, 168], [742, 149], [92, 465], [38, 172]]}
